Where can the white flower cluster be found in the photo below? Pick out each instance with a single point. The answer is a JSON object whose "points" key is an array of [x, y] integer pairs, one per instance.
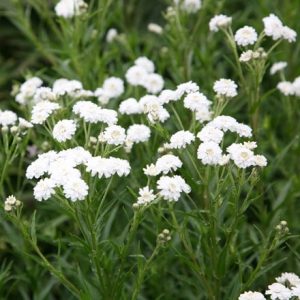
{"points": [[63, 174], [10, 121], [73, 88], [142, 74], [211, 136], [286, 287], [11, 203], [247, 35], [190, 6], [32, 91], [288, 88], [274, 28], [250, 55], [170, 187], [153, 107], [42, 110], [70, 8]]}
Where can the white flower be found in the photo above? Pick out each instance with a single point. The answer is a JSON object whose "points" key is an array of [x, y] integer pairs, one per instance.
{"points": [[136, 75], [64, 86], [154, 110], [296, 86], [108, 116], [225, 87], [11, 203], [273, 26], [289, 34], [196, 101], [286, 88], [168, 163], [111, 35], [42, 110], [70, 8], [75, 189], [277, 291], [41, 165], [186, 88], [203, 114], [209, 153], [224, 160], [224, 123], [146, 196], [219, 21], [44, 94], [181, 139], [155, 28], [138, 133], [278, 67], [64, 130], [243, 130], [76, 156], [296, 291], [245, 36], [252, 296], [62, 170], [130, 106], [114, 135], [7, 118], [250, 145], [151, 170], [166, 96], [28, 89], [260, 161], [210, 134], [30, 86], [145, 63], [172, 187], [275, 29], [107, 167], [246, 56], [11, 200], [153, 83], [241, 156], [288, 279], [190, 6], [113, 87], [87, 110], [44, 189]]}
